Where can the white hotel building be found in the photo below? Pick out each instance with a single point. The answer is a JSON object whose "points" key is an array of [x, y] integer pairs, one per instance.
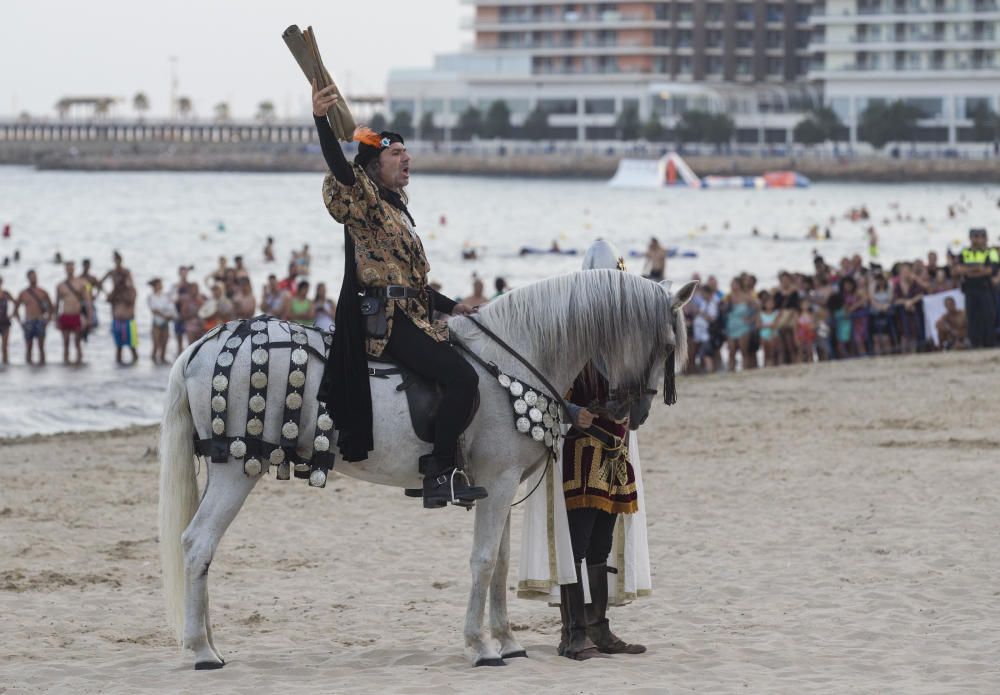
{"points": [[940, 55], [765, 62]]}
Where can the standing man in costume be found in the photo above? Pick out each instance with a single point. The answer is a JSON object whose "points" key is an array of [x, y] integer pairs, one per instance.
{"points": [[385, 262], [599, 481]]}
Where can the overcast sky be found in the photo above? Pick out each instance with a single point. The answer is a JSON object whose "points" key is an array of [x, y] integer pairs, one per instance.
{"points": [[226, 50]]}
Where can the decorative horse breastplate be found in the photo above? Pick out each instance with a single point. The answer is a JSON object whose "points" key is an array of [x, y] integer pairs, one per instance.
{"points": [[244, 439]]}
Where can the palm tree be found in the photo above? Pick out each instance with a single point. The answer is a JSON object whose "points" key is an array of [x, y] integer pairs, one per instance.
{"points": [[265, 111], [102, 107], [184, 107], [222, 112], [140, 102]]}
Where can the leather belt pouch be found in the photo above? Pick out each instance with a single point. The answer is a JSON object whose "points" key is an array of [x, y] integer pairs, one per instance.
{"points": [[373, 309]]}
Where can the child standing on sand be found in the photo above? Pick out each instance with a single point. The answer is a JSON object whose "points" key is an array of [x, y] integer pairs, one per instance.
{"points": [[767, 322], [805, 334]]}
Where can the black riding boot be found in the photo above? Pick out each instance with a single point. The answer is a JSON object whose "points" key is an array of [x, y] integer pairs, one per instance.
{"points": [[444, 482], [578, 645], [564, 633], [598, 628]]}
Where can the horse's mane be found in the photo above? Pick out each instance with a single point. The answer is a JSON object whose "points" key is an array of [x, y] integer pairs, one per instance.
{"points": [[589, 312]]}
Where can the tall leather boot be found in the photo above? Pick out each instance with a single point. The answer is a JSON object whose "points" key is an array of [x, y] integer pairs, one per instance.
{"points": [[598, 628], [564, 633], [444, 482], [578, 645]]}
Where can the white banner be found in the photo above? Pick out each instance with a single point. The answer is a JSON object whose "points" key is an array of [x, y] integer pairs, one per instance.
{"points": [[934, 309]]}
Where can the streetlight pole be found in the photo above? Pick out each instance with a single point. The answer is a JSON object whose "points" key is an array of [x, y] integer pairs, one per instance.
{"points": [[173, 87]]}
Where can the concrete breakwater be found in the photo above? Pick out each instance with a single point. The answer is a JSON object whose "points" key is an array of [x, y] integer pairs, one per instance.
{"points": [[534, 160]]}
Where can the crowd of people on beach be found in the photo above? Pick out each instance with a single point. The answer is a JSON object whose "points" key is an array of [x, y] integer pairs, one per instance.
{"points": [[851, 309], [838, 311], [185, 309]]}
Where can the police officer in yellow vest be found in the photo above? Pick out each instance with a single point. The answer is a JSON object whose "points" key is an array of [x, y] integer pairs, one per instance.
{"points": [[978, 267]]}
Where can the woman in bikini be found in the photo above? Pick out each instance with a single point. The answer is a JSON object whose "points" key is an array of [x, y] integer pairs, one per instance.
{"points": [[767, 322]]}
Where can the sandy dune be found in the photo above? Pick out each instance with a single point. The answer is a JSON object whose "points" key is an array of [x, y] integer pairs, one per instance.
{"points": [[813, 530]]}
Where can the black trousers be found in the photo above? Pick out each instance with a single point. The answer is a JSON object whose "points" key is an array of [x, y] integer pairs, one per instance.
{"points": [[439, 362], [981, 314], [591, 532]]}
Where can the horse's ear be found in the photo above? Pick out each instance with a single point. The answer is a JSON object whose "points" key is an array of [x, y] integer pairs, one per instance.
{"points": [[683, 296]]}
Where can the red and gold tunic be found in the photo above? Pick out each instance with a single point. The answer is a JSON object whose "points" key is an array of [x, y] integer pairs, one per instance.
{"points": [[388, 251], [594, 474]]}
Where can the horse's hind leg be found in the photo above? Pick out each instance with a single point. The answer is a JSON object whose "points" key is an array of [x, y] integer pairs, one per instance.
{"points": [[227, 489], [499, 622]]}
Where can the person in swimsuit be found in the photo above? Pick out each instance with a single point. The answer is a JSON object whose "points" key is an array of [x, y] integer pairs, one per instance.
{"points": [[71, 300], [302, 310], [274, 300], [164, 313], [805, 334], [37, 314], [244, 303], [767, 321], [881, 318], [856, 306], [325, 309], [656, 261], [739, 325], [123, 322], [6, 304], [93, 287], [907, 297]]}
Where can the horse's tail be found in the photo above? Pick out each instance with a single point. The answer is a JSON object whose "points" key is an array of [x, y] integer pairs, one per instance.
{"points": [[178, 489]]}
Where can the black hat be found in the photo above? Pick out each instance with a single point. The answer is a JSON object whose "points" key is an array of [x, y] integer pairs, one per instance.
{"points": [[371, 144]]}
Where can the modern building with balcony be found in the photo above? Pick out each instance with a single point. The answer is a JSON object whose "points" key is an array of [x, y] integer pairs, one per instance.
{"points": [[942, 56], [584, 62]]}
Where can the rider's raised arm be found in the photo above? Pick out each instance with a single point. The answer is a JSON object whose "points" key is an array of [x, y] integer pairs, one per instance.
{"points": [[334, 156]]}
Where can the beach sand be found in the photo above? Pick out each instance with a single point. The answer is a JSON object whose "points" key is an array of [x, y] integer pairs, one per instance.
{"points": [[820, 529]]}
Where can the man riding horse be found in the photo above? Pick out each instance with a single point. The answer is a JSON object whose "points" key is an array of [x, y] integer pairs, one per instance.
{"points": [[386, 307]]}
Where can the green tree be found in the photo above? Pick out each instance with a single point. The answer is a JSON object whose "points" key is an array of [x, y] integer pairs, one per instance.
{"points": [[265, 111], [427, 129], [653, 130], [882, 123], [140, 103], [808, 131], [497, 123], [822, 124], [221, 112], [627, 125], [704, 126], [470, 124], [985, 123], [378, 123], [536, 125], [402, 123]]}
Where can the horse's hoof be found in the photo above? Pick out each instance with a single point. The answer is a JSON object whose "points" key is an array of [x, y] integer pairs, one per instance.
{"points": [[490, 662], [208, 665], [515, 655]]}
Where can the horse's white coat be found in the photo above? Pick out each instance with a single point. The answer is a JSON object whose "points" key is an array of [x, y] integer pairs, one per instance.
{"points": [[557, 325]]}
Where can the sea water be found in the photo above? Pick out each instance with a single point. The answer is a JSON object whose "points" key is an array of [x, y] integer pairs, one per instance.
{"points": [[159, 221]]}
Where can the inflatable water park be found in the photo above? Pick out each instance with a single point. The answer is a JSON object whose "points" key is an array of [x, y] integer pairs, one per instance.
{"points": [[671, 170]]}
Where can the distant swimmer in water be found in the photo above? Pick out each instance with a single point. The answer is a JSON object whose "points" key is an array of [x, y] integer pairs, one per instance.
{"points": [[755, 232], [477, 298], [872, 242], [555, 247], [269, 250], [656, 261], [469, 252]]}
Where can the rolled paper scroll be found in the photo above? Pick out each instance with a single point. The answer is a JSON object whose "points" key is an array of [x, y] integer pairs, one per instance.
{"points": [[306, 53]]}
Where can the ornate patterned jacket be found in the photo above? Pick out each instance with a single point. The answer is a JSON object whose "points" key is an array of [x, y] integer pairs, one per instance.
{"points": [[388, 252], [595, 476]]}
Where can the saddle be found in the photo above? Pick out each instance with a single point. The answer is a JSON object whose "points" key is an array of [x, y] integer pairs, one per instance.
{"points": [[423, 397]]}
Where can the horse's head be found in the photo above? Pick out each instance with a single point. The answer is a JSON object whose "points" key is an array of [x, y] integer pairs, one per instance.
{"points": [[636, 399]]}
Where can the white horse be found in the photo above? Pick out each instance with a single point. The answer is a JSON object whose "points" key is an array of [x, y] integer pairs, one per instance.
{"points": [[557, 325]]}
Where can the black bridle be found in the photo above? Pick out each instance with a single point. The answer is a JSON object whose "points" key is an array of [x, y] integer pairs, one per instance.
{"points": [[636, 392]]}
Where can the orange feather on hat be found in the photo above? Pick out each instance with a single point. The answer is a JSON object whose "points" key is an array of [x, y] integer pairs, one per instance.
{"points": [[368, 136]]}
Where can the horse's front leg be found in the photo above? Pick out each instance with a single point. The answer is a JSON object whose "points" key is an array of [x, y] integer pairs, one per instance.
{"points": [[499, 622], [225, 493], [491, 517]]}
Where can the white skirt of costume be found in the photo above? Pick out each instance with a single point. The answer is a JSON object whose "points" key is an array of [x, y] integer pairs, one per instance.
{"points": [[547, 553]]}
